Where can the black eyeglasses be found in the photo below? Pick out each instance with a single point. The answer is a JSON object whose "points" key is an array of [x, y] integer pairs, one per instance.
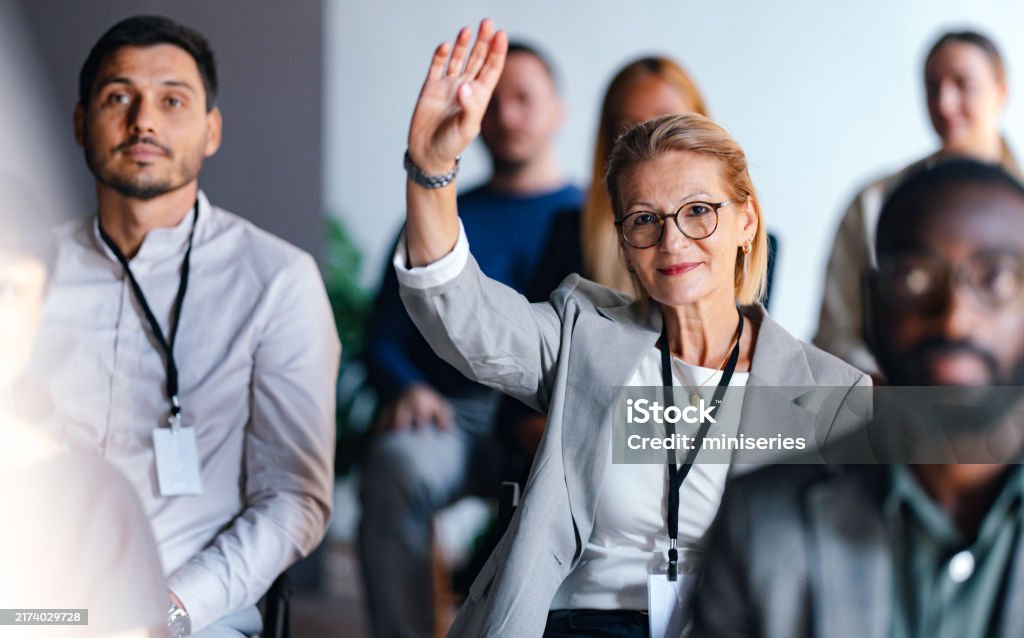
{"points": [[696, 220], [922, 281]]}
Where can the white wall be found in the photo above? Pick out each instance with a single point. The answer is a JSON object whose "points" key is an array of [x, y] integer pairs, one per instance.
{"points": [[821, 95]]}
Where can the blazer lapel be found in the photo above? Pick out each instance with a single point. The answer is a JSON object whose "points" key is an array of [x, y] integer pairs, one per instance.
{"points": [[779, 376], [850, 561], [614, 345]]}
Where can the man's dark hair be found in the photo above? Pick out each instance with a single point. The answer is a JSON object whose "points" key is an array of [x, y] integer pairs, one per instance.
{"points": [[519, 46], [146, 31], [917, 187]]}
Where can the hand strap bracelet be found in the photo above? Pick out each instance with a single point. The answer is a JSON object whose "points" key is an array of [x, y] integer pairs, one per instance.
{"points": [[429, 181]]}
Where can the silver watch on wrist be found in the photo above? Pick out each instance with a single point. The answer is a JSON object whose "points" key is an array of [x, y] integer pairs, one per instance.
{"points": [[426, 180], [178, 621]]}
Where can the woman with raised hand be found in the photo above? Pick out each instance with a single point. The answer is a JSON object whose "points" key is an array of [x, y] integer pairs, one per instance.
{"points": [[966, 89], [591, 536]]}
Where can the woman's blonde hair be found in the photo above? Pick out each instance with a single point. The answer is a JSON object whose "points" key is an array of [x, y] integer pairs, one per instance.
{"points": [[602, 260], [696, 134]]}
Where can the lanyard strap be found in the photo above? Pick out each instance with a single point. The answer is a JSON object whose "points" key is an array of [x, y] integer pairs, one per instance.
{"points": [[166, 344], [677, 473]]}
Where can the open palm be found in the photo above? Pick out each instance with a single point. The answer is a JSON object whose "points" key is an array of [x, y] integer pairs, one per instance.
{"points": [[454, 97]]}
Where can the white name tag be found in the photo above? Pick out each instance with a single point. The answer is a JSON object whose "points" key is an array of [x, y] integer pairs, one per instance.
{"points": [[177, 461], [670, 603]]}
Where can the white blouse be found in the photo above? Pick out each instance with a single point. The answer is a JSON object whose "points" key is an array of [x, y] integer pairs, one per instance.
{"points": [[630, 536]]}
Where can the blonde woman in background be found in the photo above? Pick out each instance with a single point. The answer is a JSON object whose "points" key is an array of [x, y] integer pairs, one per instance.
{"points": [[642, 90], [966, 90]]}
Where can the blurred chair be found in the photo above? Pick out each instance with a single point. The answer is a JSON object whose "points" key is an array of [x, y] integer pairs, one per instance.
{"points": [[276, 609], [451, 585]]}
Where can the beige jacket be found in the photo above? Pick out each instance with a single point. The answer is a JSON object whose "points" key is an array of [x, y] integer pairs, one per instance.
{"points": [[841, 322]]}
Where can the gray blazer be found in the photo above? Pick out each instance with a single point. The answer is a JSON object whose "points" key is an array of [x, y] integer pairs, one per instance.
{"points": [[565, 357], [802, 551]]}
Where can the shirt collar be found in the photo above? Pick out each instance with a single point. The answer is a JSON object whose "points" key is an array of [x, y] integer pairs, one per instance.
{"points": [[161, 243], [907, 496]]}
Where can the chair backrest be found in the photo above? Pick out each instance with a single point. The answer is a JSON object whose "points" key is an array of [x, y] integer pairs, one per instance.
{"points": [[508, 501], [276, 605]]}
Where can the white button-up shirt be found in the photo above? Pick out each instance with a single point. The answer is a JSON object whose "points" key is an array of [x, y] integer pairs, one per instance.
{"points": [[257, 354]]}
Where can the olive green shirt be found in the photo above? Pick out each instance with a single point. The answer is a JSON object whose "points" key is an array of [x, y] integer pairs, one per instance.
{"points": [[945, 585]]}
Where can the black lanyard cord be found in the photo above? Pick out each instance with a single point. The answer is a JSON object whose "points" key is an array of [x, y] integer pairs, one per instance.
{"points": [[677, 473], [166, 344]]}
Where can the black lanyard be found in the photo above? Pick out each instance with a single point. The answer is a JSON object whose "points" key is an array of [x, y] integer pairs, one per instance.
{"points": [[677, 473], [166, 345]]}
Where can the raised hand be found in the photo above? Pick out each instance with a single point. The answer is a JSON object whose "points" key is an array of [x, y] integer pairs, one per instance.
{"points": [[455, 96]]}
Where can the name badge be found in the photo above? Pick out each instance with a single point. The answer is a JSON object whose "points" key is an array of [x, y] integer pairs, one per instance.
{"points": [[670, 603], [177, 461]]}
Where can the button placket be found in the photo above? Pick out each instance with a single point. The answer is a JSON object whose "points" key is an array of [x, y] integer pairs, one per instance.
{"points": [[125, 365]]}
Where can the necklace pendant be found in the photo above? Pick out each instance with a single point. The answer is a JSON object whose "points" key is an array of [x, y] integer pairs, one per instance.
{"points": [[694, 399]]}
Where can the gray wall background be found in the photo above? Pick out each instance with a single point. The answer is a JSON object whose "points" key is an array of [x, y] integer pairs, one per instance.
{"points": [[270, 62]]}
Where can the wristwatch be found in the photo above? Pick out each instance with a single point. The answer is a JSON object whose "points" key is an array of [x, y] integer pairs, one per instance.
{"points": [[178, 621]]}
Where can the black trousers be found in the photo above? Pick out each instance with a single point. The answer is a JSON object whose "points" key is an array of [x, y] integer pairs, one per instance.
{"points": [[566, 623]]}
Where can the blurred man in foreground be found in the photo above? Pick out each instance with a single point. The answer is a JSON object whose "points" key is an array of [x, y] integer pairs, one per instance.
{"points": [[74, 535], [901, 550]]}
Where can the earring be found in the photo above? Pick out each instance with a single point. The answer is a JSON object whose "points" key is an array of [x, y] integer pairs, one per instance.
{"points": [[630, 268], [747, 247]]}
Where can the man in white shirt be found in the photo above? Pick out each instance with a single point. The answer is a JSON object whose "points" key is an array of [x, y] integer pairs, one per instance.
{"points": [[192, 350]]}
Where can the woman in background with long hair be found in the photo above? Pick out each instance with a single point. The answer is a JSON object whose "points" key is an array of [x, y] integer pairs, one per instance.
{"points": [[640, 91], [966, 89]]}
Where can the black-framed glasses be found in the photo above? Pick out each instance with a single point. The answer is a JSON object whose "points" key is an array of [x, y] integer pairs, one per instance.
{"points": [[696, 220], [922, 281]]}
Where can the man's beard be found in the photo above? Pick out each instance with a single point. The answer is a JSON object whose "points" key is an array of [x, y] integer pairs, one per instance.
{"points": [[958, 410], [135, 187], [908, 368]]}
